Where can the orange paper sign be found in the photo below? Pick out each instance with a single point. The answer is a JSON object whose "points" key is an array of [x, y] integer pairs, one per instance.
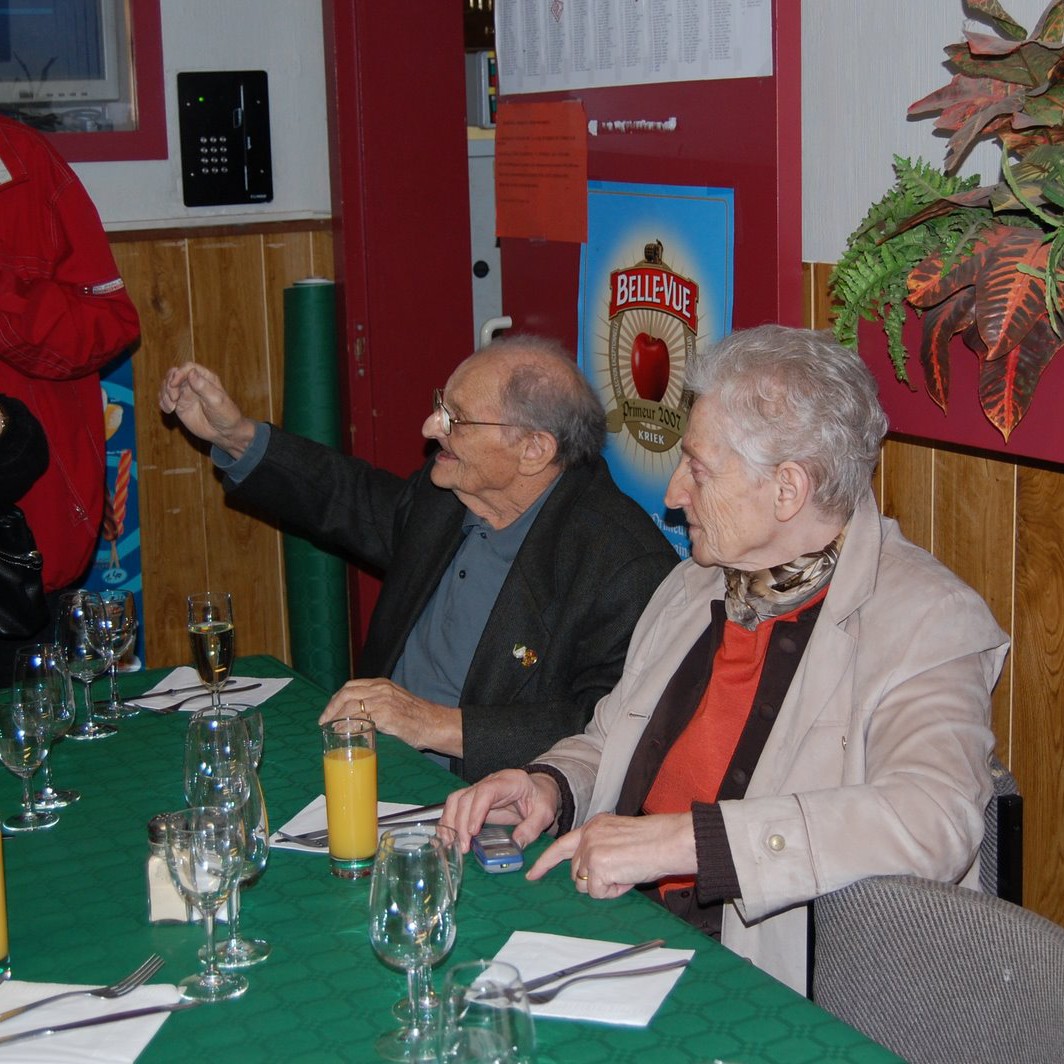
{"points": [[541, 171]]}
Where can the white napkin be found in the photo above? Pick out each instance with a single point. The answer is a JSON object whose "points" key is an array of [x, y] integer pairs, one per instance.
{"points": [[628, 1002], [115, 1043], [312, 818], [186, 676]]}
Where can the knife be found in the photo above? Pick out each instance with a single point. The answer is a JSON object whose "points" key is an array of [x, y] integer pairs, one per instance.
{"points": [[564, 973], [412, 814], [114, 1017], [170, 691]]}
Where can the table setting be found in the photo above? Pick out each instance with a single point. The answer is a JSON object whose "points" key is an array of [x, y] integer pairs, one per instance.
{"points": [[368, 934]]}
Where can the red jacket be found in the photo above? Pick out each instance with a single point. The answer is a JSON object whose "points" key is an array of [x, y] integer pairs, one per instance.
{"points": [[64, 313]]}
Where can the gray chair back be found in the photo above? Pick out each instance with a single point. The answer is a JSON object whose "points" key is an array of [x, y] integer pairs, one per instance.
{"points": [[941, 974]]}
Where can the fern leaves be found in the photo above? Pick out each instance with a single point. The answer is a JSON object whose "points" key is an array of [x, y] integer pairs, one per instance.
{"points": [[871, 279]]}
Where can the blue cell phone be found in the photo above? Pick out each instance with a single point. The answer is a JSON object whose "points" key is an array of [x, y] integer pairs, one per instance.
{"points": [[495, 851]]}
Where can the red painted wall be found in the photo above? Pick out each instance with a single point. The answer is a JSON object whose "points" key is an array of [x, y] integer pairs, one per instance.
{"points": [[396, 86]]}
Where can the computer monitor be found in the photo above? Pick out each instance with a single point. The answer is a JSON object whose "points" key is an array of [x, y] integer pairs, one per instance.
{"points": [[60, 52]]}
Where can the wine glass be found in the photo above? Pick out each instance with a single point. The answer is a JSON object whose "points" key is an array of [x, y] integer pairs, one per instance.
{"points": [[411, 926], [252, 718], [210, 630], [485, 1016], [120, 610], [219, 770], [452, 851], [205, 852], [23, 746], [81, 632], [40, 672]]}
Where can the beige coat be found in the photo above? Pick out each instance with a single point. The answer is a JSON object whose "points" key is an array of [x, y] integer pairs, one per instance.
{"points": [[877, 761]]}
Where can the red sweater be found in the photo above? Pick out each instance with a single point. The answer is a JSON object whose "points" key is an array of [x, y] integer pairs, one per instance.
{"points": [[64, 313]]}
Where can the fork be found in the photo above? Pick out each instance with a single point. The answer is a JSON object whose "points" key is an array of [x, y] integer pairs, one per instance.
{"points": [[115, 990], [175, 706], [541, 997], [319, 840]]}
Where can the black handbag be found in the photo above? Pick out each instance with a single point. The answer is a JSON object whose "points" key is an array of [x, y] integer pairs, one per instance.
{"points": [[23, 610]]}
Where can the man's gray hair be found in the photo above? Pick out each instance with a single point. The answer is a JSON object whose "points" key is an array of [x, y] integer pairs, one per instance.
{"points": [[545, 391], [796, 395]]}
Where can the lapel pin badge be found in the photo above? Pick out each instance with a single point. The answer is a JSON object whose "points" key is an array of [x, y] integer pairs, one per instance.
{"points": [[526, 655]]}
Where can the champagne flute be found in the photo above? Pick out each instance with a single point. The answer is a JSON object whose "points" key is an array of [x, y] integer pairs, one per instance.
{"points": [[211, 632], [40, 672], [219, 769], [120, 609], [81, 631], [205, 852], [411, 926], [23, 747]]}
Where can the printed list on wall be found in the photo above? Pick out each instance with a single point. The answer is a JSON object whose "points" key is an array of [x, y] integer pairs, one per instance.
{"points": [[556, 45]]}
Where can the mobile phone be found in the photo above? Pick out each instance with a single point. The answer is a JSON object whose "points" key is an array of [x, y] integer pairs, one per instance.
{"points": [[495, 851]]}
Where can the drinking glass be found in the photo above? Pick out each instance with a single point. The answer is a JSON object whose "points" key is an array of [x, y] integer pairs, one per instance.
{"points": [[452, 851], [211, 633], [349, 749], [205, 852], [252, 718], [120, 610], [217, 761], [485, 1016], [40, 672], [23, 746], [219, 770], [81, 632], [411, 927]]}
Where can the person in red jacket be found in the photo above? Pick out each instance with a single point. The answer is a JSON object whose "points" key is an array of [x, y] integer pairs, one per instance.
{"points": [[64, 314]]}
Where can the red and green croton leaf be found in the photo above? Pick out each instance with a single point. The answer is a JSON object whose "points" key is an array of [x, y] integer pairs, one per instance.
{"points": [[1010, 290], [940, 324], [1007, 385], [1006, 25], [927, 282]]}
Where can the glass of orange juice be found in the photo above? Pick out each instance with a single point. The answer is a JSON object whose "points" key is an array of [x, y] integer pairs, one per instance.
{"points": [[349, 747]]}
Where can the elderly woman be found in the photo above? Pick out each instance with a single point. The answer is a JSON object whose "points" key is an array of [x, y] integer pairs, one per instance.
{"points": [[805, 701]]}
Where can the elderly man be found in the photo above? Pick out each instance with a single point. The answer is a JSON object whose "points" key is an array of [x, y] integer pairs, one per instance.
{"points": [[805, 701], [514, 568]]}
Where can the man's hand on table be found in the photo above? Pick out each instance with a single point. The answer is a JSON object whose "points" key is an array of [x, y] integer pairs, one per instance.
{"points": [[395, 711]]}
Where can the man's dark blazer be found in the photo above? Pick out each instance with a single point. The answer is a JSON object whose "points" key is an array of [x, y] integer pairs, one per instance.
{"points": [[586, 569]]}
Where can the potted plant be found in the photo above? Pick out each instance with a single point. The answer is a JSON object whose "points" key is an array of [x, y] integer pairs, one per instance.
{"points": [[979, 262]]}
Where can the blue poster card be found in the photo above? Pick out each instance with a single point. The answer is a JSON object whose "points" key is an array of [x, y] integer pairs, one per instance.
{"points": [[656, 280], [117, 565]]}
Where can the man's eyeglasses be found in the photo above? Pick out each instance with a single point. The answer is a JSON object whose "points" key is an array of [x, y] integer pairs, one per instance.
{"points": [[448, 420]]}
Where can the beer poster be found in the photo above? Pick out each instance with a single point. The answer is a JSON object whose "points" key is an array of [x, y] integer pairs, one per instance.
{"points": [[656, 280], [117, 566]]}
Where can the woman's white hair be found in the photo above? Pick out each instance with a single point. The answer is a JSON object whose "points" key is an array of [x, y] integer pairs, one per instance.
{"points": [[796, 395]]}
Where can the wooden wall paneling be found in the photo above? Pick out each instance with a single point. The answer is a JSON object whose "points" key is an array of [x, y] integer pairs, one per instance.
{"points": [[1038, 669], [818, 312], [170, 472], [975, 535], [230, 336], [907, 489]]}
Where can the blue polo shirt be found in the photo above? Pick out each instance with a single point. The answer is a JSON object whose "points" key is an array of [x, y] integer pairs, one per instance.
{"points": [[440, 647]]}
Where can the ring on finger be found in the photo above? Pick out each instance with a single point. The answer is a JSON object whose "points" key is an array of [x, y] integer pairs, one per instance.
{"points": [[582, 876]]}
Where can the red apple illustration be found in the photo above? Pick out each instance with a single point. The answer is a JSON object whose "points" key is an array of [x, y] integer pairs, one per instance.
{"points": [[650, 366]]}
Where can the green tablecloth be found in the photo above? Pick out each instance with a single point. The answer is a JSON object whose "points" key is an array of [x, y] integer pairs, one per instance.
{"points": [[77, 911]]}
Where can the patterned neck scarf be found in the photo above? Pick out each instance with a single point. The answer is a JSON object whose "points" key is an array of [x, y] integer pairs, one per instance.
{"points": [[755, 597]]}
